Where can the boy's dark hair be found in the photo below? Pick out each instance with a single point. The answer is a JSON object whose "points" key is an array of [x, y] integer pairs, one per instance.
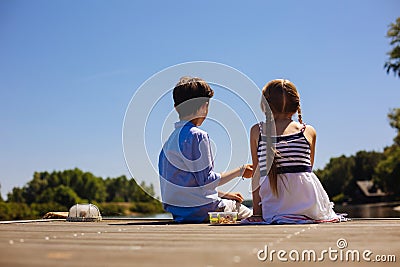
{"points": [[189, 94]]}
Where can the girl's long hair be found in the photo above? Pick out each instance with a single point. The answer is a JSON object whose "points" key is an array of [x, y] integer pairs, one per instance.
{"points": [[282, 97]]}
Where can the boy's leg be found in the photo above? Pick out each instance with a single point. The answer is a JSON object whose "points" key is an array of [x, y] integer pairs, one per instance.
{"points": [[234, 206]]}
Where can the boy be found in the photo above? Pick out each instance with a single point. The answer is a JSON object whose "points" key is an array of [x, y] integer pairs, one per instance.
{"points": [[187, 179]]}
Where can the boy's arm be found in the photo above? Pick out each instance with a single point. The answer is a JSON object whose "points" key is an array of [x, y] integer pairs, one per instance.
{"points": [[246, 171], [231, 195]]}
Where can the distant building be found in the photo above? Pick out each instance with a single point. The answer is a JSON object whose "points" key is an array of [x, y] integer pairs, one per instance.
{"points": [[370, 192], [369, 189]]}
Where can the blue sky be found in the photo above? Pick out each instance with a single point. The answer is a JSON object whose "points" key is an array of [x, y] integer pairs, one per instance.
{"points": [[68, 70]]}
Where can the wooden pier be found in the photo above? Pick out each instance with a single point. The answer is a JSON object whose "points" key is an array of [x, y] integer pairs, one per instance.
{"points": [[152, 243]]}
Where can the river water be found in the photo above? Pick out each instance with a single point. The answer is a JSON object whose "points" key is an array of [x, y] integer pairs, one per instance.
{"points": [[375, 210]]}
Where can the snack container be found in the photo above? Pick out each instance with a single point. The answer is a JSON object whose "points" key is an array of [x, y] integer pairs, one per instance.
{"points": [[222, 217], [213, 217]]}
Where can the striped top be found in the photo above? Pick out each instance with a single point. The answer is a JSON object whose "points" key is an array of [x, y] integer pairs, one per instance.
{"points": [[292, 153]]}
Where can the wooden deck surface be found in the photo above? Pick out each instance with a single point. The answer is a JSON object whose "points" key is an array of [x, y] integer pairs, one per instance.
{"points": [[146, 243]]}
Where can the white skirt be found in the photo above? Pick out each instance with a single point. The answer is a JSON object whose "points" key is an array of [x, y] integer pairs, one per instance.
{"points": [[298, 194]]}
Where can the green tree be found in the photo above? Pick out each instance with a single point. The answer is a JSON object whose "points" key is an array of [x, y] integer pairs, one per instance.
{"points": [[35, 187], [365, 164], [145, 194], [337, 175], [394, 121], [16, 195], [1, 198], [388, 169], [393, 63], [15, 211], [65, 195], [118, 189], [94, 188]]}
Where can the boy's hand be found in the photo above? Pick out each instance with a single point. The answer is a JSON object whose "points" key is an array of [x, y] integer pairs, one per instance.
{"points": [[234, 196], [248, 171]]}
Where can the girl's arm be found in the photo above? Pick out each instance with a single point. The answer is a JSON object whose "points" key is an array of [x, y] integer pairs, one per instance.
{"points": [[257, 210], [254, 136], [311, 136]]}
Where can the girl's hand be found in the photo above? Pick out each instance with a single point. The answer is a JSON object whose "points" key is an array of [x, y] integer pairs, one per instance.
{"points": [[234, 196], [247, 171]]}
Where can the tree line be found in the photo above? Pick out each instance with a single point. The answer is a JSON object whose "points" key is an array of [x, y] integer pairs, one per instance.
{"points": [[340, 175], [59, 190]]}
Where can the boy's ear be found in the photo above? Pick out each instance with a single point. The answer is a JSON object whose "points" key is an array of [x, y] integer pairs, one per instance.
{"points": [[204, 108]]}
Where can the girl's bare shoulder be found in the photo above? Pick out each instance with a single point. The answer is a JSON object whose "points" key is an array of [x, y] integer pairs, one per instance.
{"points": [[310, 130], [255, 130], [310, 134]]}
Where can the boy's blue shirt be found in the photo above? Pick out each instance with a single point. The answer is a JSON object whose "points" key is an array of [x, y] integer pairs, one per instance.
{"points": [[187, 180]]}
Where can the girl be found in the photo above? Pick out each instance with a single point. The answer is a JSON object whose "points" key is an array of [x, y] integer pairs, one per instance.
{"points": [[285, 190]]}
